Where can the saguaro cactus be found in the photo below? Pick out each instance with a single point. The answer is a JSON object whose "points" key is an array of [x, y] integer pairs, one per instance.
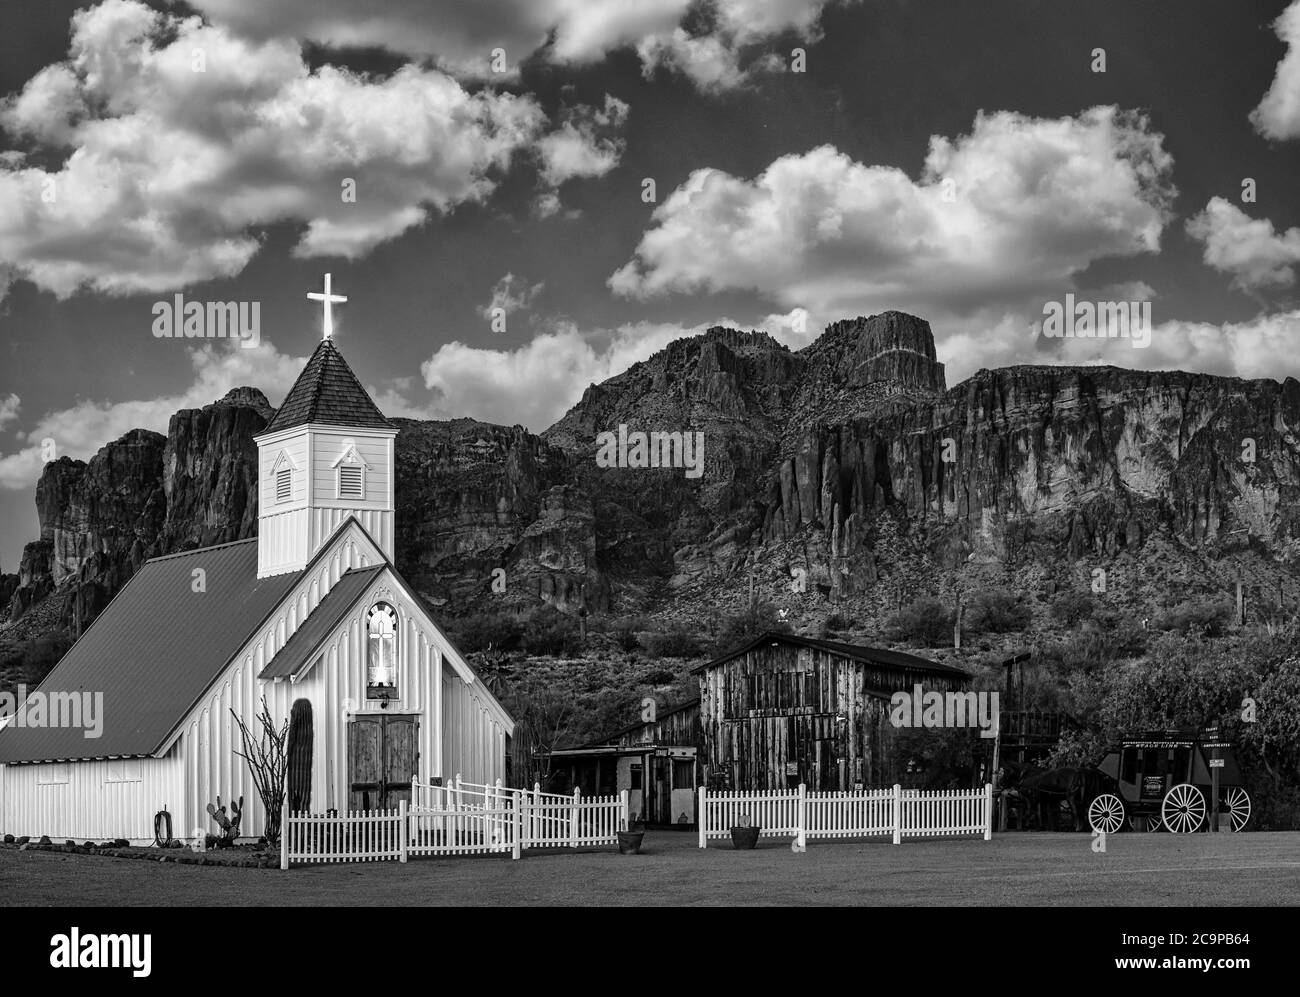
{"points": [[299, 752]]}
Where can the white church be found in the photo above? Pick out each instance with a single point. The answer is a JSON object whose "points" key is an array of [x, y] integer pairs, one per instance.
{"points": [[311, 609]]}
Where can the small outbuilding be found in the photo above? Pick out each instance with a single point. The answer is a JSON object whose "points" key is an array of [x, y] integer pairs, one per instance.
{"points": [[654, 760], [784, 710]]}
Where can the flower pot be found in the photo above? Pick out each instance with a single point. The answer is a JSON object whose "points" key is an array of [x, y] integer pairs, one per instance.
{"points": [[629, 842], [744, 837]]}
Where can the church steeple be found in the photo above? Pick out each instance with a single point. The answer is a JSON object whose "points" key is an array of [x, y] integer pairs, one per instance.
{"points": [[326, 455]]}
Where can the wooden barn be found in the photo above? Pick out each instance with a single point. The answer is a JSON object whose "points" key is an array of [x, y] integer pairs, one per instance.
{"points": [[784, 710], [654, 760]]}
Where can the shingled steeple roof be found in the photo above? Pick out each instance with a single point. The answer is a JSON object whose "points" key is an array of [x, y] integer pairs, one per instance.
{"points": [[329, 394]]}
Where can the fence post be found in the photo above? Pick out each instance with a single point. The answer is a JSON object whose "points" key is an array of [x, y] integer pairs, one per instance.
{"points": [[988, 811], [402, 836], [573, 818], [898, 814], [801, 835], [284, 836], [623, 815], [517, 826], [702, 821]]}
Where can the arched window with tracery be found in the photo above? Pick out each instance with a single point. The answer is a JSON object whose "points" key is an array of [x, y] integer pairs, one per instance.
{"points": [[381, 652]]}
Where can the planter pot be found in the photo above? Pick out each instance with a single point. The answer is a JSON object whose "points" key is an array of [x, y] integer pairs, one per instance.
{"points": [[629, 842], [744, 837]]}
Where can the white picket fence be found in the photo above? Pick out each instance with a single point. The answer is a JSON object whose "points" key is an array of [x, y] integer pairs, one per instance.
{"points": [[459, 818], [861, 813]]}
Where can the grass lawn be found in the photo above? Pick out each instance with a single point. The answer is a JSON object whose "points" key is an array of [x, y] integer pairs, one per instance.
{"points": [[1013, 869]]}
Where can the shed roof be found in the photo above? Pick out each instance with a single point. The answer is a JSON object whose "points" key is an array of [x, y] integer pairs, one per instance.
{"points": [[302, 646], [327, 393], [154, 651], [859, 652]]}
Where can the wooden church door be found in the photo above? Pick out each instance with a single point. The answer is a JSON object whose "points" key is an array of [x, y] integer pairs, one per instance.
{"points": [[383, 753]]}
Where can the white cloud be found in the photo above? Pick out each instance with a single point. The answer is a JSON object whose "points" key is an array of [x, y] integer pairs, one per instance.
{"points": [[461, 36], [1278, 114], [81, 429], [171, 175], [536, 383], [1033, 202], [9, 406], [577, 148], [1247, 248], [510, 294]]}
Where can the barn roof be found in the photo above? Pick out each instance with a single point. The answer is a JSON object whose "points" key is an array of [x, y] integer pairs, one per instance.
{"points": [[327, 393], [154, 651], [307, 639], [859, 652]]}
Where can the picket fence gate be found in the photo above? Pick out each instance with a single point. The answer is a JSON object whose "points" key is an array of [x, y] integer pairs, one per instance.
{"points": [[460, 818], [860, 813]]}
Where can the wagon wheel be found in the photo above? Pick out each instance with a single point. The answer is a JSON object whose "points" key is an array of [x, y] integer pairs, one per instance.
{"points": [[1235, 802], [1151, 822], [1106, 813], [1183, 809]]}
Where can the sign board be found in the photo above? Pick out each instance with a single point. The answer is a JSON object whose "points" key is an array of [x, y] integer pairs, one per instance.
{"points": [[1153, 787], [791, 768], [1216, 763]]}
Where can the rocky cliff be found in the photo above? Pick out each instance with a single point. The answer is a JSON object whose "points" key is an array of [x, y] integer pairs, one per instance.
{"points": [[845, 475]]}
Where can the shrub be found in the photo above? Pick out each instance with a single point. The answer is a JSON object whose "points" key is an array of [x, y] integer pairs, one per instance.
{"points": [[924, 620], [480, 631], [741, 628], [1200, 617], [1073, 606], [549, 631], [672, 644], [997, 612], [626, 631]]}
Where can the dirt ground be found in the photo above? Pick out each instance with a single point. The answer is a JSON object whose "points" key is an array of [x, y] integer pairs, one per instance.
{"points": [[1013, 870]]}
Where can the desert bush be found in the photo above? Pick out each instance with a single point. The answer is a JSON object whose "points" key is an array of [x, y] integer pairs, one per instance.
{"points": [[740, 628], [626, 632], [480, 631], [925, 620], [1073, 606], [998, 612], [1199, 617], [549, 631], [671, 644]]}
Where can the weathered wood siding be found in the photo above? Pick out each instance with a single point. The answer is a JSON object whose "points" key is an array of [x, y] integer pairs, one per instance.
{"points": [[779, 716], [680, 726]]}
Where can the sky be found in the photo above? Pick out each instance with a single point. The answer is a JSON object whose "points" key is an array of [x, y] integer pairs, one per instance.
{"points": [[522, 197]]}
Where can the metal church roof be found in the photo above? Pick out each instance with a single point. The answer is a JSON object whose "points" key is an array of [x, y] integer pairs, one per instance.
{"points": [[154, 651], [302, 646]]}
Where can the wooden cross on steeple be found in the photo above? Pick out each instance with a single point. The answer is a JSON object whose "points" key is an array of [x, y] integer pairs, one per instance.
{"points": [[328, 300]]}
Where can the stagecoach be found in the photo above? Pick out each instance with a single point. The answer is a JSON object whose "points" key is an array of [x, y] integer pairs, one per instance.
{"points": [[1168, 779]]}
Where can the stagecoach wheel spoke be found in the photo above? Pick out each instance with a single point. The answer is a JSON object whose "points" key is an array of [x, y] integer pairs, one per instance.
{"points": [[1236, 802], [1106, 813], [1183, 809], [1151, 822]]}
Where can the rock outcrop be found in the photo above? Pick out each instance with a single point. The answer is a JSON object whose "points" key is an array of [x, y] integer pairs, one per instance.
{"points": [[848, 460]]}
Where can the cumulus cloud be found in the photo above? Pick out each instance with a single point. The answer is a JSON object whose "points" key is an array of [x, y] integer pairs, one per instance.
{"points": [[1012, 211], [1278, 114], [707, 42], [170, 174], [9, 406], [81, 429], [509, 295], [1247, 248], [537, 382]]}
